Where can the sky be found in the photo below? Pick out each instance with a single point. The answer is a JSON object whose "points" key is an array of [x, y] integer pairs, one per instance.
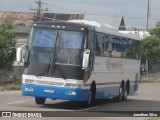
{"points": [[133, 11]]}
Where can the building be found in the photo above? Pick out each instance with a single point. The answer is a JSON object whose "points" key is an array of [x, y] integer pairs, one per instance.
{"points": [[22, 33], [27, 18]]}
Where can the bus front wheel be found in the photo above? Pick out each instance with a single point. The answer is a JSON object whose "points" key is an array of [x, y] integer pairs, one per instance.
{"points": [[40, 100], [87, 103]]}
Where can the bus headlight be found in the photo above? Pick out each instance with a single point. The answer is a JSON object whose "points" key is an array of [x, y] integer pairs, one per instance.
{"points": [[73, 85], [29, 81]]}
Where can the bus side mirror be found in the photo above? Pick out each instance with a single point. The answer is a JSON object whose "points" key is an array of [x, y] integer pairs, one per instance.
{"points": [[86, 59], [19, 54]]}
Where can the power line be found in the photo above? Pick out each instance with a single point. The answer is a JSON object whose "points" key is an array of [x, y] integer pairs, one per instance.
{"points": [[39, 17], [97, 14]]}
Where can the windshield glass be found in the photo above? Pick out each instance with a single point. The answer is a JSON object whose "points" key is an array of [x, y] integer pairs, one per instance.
{"points": [[41, 45], [69, 47]]}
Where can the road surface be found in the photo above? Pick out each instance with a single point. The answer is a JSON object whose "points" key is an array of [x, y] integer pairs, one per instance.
{"points": [[146, 99]]}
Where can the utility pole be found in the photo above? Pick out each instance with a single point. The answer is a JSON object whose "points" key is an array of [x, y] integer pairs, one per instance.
{"points": [[148, 14], [38, 10]]}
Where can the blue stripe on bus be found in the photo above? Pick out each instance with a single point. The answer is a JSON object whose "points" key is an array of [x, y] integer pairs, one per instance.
{"points": [[59, 92], [81, 94]]}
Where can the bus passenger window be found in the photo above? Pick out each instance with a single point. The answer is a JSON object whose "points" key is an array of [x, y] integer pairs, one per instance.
{"points": [[106, 46], [98, 50], [116, 47]]}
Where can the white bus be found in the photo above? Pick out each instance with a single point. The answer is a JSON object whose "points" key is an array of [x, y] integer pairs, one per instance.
{"points": [[79, 62]]}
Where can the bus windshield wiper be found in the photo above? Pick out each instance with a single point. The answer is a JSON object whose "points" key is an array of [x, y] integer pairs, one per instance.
{"points": [[53, 57]]}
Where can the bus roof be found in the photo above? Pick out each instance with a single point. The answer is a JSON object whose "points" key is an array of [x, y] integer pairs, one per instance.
{"points": [[105, 28], [102, 28], [63, 23]]}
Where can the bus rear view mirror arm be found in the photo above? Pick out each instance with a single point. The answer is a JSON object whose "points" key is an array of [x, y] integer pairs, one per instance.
{"points": [[86, 59]]}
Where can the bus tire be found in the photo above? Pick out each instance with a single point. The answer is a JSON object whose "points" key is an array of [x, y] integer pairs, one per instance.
{"points": [[39, 100], [87, 103], [125, 93], [120, 96], [93, 90]]}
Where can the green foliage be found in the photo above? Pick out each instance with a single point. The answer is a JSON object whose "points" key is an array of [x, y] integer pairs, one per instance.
{"points": [[6, 25], [7, 46], [150, 80], [151, 46], [157, 118], [14, 85], [158, 24], [155, 32]]}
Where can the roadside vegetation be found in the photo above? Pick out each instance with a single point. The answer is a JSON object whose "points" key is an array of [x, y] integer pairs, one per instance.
{"points": [[14, 85], [7, 46], [150, 80], [157, 118], [151, 49], [7, 56]]}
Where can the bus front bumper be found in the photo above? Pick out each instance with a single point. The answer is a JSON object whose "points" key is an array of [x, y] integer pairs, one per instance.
{"points": [[53, 92]]}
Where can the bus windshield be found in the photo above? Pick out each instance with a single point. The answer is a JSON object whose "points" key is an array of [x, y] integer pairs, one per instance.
{"points": [[69, 47], [41, 45]]}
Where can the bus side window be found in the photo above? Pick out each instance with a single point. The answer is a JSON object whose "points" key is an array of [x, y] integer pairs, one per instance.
{"points": [[98, 51], [116, 47], [101, 44], [107, 46], [91, 48], [137, 49], [98, 44], [90, 40]]}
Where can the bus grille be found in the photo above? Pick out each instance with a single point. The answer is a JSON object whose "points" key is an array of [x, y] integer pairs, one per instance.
{"points": [[49, 83]]}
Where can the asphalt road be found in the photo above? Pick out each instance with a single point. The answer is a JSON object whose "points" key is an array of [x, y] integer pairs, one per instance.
{"points": [[146, 99]]}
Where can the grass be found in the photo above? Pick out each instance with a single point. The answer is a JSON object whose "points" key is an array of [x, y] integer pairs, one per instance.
{"points": [[157, 118], [150, 80], [15, 85]]}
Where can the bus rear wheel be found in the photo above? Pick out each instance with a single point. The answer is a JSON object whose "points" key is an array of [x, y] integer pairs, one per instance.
{"points": [[39, 100], [120, 96], [125, 93]]}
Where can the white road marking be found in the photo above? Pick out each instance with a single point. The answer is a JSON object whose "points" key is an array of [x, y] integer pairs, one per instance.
{"points": [[88, 108], [15, 102]]}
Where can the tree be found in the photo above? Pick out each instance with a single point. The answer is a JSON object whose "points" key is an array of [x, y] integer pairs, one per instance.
{"points": [[7, 45], [151, 47], [158, 24]]}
